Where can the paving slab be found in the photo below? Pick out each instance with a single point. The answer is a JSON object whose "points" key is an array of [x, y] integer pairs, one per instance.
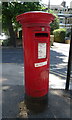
{"points": [[13, 97], [12, 74]]}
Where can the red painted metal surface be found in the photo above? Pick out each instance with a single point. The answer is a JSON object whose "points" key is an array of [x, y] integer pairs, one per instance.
{"points": [[36, 38]]}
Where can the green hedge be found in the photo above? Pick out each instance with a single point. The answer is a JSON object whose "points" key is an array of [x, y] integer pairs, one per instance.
{"points": [[59, 35]]}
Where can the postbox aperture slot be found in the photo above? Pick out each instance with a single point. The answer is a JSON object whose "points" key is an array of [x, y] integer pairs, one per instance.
{"points": [[41, 34]]}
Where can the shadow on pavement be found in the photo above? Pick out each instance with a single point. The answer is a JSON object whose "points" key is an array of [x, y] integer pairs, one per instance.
{"points": [[12, 55], [57, 60], [15, 55], [58, 64]]}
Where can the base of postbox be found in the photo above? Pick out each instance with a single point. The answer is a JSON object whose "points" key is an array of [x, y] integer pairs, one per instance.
{"points": [[36, 105], [43, 99]]}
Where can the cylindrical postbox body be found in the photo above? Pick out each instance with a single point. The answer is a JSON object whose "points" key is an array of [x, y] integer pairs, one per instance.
{"points": [[36, 45]]}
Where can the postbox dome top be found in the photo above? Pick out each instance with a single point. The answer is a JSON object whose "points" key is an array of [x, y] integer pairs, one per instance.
{"points": [[35, 17]]}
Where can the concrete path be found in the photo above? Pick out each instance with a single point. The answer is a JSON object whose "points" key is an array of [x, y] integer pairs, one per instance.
{"points": [[58, 66], [15, 106], [12, 82], [13, 68]]}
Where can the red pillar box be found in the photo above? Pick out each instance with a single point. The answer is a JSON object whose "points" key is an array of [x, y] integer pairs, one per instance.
{"points": [[36, 46]]}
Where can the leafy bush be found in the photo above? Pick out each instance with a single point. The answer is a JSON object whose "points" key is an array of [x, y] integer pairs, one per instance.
{"points": [[54, 25], [59, 35]]}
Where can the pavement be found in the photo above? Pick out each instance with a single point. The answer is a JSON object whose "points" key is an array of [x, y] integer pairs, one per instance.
{"points": [[12, 85]]}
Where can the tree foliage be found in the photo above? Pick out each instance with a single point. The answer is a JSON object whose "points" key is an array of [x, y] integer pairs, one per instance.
{"points": [[55, 24], [9, 12], [11, 9]]}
